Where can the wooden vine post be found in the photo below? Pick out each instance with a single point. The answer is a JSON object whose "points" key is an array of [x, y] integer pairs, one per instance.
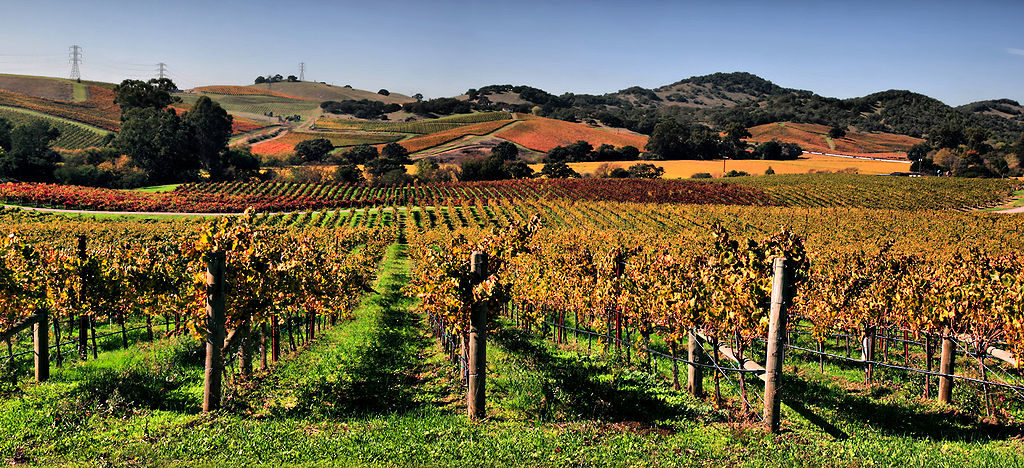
{"points": [[694, 373], [215, 292], [83, 320], [41, 335], [867, 352], [776, 346], [946, 366], [476, 396]]}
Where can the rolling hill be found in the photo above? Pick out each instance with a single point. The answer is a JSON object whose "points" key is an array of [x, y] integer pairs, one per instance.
{"points": [[325, 92], [814, 137]]}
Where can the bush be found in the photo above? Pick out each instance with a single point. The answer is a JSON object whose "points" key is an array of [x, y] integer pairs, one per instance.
{"points": [[701, 175], [735, 173], [769, 171]]}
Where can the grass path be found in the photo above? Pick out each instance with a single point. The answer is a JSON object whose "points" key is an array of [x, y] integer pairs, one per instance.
{"points": [[372, 365]]}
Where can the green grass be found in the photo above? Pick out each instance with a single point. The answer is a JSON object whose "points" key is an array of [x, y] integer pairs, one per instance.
{"points": [[157, 188], [376, 391]]}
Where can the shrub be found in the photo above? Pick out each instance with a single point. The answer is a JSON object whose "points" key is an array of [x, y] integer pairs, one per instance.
{"points": [[701, 175]]}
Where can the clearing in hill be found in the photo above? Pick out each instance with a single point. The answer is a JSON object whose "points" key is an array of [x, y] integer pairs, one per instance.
{"points": [[73, 135], [229, 90], [814, 137], [325, 92], [543, 134], [419, 126]]}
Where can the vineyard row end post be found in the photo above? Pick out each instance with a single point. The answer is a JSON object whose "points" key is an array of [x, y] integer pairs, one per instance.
{"points": [[776, 345], [476, 395], [947, 366], [41, 332], [215, 315]]}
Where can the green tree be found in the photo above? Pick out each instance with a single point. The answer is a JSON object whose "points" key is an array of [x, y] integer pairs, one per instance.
{"points": [[155, 93], [645, 171], [836, 132], [427, 170], [348, 173], [395, 152], [669, 141], [518, 170], [240, 164], [159, 143], [210, 127], [315, 150], [736, 132], [947, 136], [558, 170], [30, 157], [5, 135], [505, 151], [361, 154]]}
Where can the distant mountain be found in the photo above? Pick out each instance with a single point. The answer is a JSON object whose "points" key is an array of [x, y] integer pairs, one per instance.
{"points": [[721, 98], [1006, 108]]}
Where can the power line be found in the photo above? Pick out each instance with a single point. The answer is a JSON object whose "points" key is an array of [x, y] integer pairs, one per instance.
{"points": [[162, 70], [76, 58]]}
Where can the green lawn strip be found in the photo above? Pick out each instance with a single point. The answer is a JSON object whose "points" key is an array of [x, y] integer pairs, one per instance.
{"points": [[156, 188]]}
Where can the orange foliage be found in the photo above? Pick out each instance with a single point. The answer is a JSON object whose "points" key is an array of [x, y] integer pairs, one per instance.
{"points": [[812, 137], [543, 134], [423, 142]]}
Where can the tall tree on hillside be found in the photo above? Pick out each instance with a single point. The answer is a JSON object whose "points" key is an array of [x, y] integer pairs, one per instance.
{"points": [[736, 132], [506, 151], [155, 93], [30, 157], [159, 143], [210, 127], [315, 150], [5, 134], [669, 141]]}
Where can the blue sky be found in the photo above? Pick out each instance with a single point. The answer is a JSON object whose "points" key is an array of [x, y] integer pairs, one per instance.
{"points": [[957, 52]]}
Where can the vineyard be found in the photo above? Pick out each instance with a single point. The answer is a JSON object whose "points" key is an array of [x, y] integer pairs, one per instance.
{"points": [[818, 191], [419, 126], [73, 135], [543, 134], [99, 110], [603, 317]]}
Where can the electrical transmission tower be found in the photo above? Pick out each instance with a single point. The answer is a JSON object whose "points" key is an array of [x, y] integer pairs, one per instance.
{"points": [[75, 59], [161, 70], [302, 71]]}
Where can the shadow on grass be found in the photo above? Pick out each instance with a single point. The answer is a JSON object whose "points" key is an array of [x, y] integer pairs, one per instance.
{"points": [[807, 396], [381, 377], [586, 389]]}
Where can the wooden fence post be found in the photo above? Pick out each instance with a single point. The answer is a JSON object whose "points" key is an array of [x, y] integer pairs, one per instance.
{"points": [[867, 352], [41, 335], [776, 346], [215, 291], [946, 366], [694, 373], [83, 320], [477, 382]]}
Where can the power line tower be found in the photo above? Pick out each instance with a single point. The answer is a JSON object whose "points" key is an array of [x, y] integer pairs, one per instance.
{"points": [[302, 71], [75, 59], [161, 70]]}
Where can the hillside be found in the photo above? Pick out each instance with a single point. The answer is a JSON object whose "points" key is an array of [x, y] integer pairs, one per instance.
{"points": [[325, 92], [814, 137], [1005, 108]]}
